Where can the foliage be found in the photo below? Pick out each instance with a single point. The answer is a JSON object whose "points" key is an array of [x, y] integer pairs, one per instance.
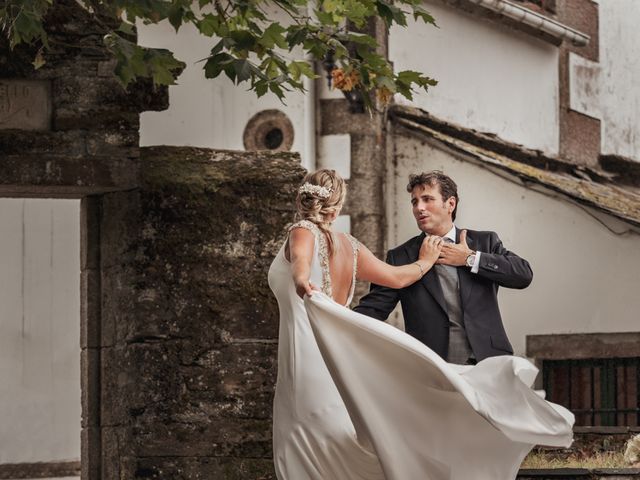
{"points": [[247, 45]]}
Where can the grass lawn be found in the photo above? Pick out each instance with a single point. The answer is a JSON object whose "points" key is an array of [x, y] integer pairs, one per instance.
{"points": [[541, 459]]}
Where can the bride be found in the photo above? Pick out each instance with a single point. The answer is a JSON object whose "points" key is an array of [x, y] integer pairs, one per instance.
{"points": [[359, 399]]}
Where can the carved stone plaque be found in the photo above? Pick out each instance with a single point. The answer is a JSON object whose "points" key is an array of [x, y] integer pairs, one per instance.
{"points": [[25, 104]]}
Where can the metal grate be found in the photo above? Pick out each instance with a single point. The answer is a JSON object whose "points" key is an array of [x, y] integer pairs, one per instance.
{"points": [[600, 391]]}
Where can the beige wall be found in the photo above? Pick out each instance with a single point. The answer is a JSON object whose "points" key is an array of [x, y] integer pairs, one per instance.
{"points": [[39, 330], [490, 78], [586, 278], [619, 89]]}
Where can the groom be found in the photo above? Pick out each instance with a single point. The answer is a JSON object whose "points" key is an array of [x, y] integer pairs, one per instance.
{"points": [[453, 309]]}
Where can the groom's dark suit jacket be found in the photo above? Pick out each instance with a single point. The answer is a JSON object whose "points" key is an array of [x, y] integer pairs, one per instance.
{"points": [[424, 307]]}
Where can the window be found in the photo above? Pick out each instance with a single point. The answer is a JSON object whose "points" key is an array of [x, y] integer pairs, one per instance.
{"points": [[600, 391], [595, 375]]}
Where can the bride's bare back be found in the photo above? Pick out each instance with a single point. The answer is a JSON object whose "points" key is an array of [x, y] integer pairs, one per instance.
{"points": [[350, 260], [341, 263]]}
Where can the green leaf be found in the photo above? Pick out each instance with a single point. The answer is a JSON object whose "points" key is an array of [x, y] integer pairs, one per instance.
{"points": [[217, 48], [229, 71], [324, 17], [243, 70], [273, 36], [127, 28], [272, 69], [296, 35], [208, 25], [357, 12], [163, 66], [176, 13], [419, 12], [390, 13], [216, 64], [261, 88], [409, 76], [243, 39], [296, 69], [362, 39], [275, 88], [405, 91]]}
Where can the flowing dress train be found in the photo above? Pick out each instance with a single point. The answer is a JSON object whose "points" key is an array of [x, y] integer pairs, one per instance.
{"points": [[359, 399]]}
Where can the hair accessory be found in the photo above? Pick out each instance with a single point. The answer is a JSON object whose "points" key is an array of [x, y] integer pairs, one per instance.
{"points": [[322, 192]]}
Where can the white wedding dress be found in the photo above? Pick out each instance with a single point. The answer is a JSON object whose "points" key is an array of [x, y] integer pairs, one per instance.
{"points": [[359, 399]]}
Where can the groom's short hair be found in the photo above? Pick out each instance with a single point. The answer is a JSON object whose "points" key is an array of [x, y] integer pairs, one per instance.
{"points": [[448, 187]]}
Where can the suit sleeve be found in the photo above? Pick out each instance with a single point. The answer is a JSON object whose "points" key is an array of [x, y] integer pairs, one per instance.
{"points": [[504, 267], [380, 301]]}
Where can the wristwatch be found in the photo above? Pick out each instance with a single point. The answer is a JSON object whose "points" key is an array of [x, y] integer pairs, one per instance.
{"points": [[471, 259]]}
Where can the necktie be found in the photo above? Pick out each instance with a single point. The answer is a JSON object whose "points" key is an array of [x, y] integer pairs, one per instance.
{"points": [[459, 348], [448, 277]]}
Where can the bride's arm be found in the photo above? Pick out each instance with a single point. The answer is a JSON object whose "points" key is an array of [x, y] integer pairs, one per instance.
{"points": [[373, 270], [301, 243]]}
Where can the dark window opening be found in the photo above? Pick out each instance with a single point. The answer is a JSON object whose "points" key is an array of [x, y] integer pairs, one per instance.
{"points": [[600, 391], [274, 138]]}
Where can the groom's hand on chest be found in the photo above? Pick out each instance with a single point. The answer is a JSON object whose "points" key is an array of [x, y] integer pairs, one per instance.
{"points": [[455, 254]]}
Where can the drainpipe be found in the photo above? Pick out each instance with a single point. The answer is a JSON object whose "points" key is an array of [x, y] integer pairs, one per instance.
{"points": [[309, 159], [310, 106]]}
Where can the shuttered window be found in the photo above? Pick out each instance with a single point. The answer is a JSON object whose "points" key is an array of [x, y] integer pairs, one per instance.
{"points": [[599, 391]]}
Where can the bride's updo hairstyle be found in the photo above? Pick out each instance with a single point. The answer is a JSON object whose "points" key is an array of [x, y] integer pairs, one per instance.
{"points": [[320, 196]]}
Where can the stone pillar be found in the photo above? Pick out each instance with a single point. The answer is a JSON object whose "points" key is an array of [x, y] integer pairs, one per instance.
{"points": [[367, 133], [90, 337], [189, 325]]}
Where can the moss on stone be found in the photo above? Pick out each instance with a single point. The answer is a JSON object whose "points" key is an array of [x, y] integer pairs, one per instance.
{"points": [[201, 170], [194, 322]]}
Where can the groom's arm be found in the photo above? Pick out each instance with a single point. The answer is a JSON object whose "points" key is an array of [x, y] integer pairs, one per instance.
{"points": [[503, 266], [380, 301]]}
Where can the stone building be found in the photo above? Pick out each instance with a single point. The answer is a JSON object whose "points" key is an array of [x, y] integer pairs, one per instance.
{"points": [[535, 116], [138, 332], [127, 353]]}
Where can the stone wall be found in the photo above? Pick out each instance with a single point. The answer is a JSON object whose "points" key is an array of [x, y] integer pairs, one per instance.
{"points": [[178, 325], [69, 128], [189, 325]]}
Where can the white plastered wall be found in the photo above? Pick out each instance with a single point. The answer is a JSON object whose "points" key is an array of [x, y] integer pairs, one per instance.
{"points": [[620, 77], [213, 113], [490, 78], [585, 276], [39, 330]]}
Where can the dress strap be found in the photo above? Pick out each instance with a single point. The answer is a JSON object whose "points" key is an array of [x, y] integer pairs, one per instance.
{"points": [[355, 245], [323, 253], [306, 224]]}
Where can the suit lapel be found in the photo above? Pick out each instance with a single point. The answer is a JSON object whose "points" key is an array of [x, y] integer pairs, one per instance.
{"points": [[430, 279], [465, 277]]}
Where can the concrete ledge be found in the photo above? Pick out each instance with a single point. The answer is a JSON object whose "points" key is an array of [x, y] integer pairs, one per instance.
{"points": [[579, 473], [576, 346], [39, 470]]}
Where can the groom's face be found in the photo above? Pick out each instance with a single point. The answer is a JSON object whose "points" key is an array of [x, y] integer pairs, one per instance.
{"points": [[431, 211]]}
